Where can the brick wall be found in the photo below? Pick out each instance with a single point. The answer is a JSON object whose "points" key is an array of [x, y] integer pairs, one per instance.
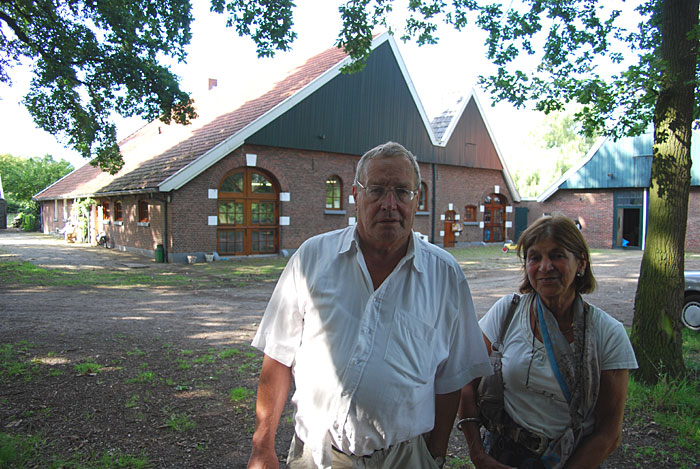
{"points": [[467, 186], [303, 175], [593, 209], [129, 233], [53, 220]]}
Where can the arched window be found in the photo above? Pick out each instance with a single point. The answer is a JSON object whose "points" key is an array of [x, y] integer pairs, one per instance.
{"points": [[248, 213], [423, 198], [334, 193], [118, 211]]}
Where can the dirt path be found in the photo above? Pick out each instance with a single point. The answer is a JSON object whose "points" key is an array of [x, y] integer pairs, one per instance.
{"points": [[179, 336], [616, 272]]}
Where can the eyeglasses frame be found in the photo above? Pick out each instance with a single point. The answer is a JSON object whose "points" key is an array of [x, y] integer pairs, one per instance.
{"points": [[388, 189]]}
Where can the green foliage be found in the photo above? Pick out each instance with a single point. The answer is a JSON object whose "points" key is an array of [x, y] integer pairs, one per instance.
{"points": [[28, 221], [268, 23], [546, 52], [94, 58], [13, 361], [26, 273], [22, 178], [240, 394], [88, 368], [559, 145], [18, 451], [179, 422], [673, 403], [144, 377]]}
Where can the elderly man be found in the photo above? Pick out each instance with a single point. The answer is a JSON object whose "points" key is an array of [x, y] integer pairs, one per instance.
{"points": [[378, 330]]}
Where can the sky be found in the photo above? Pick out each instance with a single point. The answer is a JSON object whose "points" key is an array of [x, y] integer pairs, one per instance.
{"points": [[440, 74]]}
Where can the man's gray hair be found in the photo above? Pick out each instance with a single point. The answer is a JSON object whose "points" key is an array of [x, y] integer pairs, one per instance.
{"points": [[386, 150]]}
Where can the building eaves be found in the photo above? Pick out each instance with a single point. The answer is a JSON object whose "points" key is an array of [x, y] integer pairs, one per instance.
{"points": [[573, 170], [155, 152]]}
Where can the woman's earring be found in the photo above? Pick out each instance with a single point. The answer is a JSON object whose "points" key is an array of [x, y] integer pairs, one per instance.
{"points": [[579, 274]]}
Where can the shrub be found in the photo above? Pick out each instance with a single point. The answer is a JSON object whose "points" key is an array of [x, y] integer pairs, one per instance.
{"points": [[28, 222]]}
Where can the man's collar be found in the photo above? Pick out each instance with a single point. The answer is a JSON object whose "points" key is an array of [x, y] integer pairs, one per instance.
{"points": [[415, 248], [350, 241]]}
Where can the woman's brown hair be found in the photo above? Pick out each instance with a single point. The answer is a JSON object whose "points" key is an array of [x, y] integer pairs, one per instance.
{"points": [[563, 231]]}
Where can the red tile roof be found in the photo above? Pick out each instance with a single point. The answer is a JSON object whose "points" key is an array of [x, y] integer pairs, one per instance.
{"points": [[157, 151]]}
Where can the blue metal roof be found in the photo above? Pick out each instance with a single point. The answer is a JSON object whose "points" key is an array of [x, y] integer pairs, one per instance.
{"points": [[624, 163]]}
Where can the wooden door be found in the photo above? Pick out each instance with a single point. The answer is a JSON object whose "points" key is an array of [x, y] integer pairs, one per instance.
{"points": [[449, 239], [494, 218], [248, 213]]}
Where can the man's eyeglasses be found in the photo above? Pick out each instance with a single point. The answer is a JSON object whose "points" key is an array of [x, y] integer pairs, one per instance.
{"points": [[375, 193]]}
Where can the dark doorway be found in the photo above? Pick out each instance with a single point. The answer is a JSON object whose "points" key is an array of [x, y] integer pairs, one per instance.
{"points": [[631, 221]]}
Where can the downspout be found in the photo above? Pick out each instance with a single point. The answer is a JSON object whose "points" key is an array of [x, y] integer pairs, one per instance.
{"points": [[165, 228], [432, 204]]}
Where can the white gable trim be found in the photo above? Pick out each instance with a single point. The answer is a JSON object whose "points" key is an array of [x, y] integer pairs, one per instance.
{"points": [[409, 83], [453, 125], [564, 177], [506, 174], [189, 172]]}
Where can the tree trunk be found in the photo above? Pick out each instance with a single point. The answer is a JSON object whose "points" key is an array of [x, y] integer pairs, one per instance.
{"points": [[656, 331]]}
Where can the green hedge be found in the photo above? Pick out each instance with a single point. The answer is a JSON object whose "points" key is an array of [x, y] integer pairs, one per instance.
{"points": [[28, 222]]}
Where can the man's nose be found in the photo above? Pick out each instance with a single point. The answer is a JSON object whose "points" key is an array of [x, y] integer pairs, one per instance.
{"points": [[389, 201]]}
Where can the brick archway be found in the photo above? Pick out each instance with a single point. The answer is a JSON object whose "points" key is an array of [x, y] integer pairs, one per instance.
{"points": [[248, 213]]}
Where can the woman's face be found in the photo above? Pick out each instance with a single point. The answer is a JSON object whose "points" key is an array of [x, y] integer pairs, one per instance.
{"points": [[551, 270]]}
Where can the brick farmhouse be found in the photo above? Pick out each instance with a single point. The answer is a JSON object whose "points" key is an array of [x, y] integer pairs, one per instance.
{"points": [[260, 175]]}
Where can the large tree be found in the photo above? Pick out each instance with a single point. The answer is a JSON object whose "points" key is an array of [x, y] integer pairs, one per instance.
{"points": [[91, 59], [24, 177], [569, 42]]}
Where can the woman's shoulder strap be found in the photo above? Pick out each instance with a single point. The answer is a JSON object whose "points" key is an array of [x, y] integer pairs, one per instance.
{"points": [[515, 300]]}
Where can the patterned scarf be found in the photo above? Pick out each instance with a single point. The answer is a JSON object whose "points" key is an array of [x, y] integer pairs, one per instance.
{"points": [[580, 370]]}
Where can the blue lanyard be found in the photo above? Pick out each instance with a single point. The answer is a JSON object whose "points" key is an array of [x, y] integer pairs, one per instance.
{"points": [[550, 352]]}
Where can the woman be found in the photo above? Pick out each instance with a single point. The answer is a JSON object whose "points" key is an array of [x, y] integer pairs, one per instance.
{"points": [[569, 414]]}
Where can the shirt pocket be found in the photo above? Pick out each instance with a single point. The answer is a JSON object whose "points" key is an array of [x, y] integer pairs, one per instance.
{"points": [[409, 349]]}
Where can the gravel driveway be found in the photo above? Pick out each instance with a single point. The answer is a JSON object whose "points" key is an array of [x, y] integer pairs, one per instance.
{"points": [[129, 329], [616, 271]]}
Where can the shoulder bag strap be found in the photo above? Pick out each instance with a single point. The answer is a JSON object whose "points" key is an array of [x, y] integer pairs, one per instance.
{"points": [[506, 322]]}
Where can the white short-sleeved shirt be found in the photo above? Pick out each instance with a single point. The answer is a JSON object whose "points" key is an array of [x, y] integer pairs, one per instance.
{"points": [[368, 363], [532, 394]]}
